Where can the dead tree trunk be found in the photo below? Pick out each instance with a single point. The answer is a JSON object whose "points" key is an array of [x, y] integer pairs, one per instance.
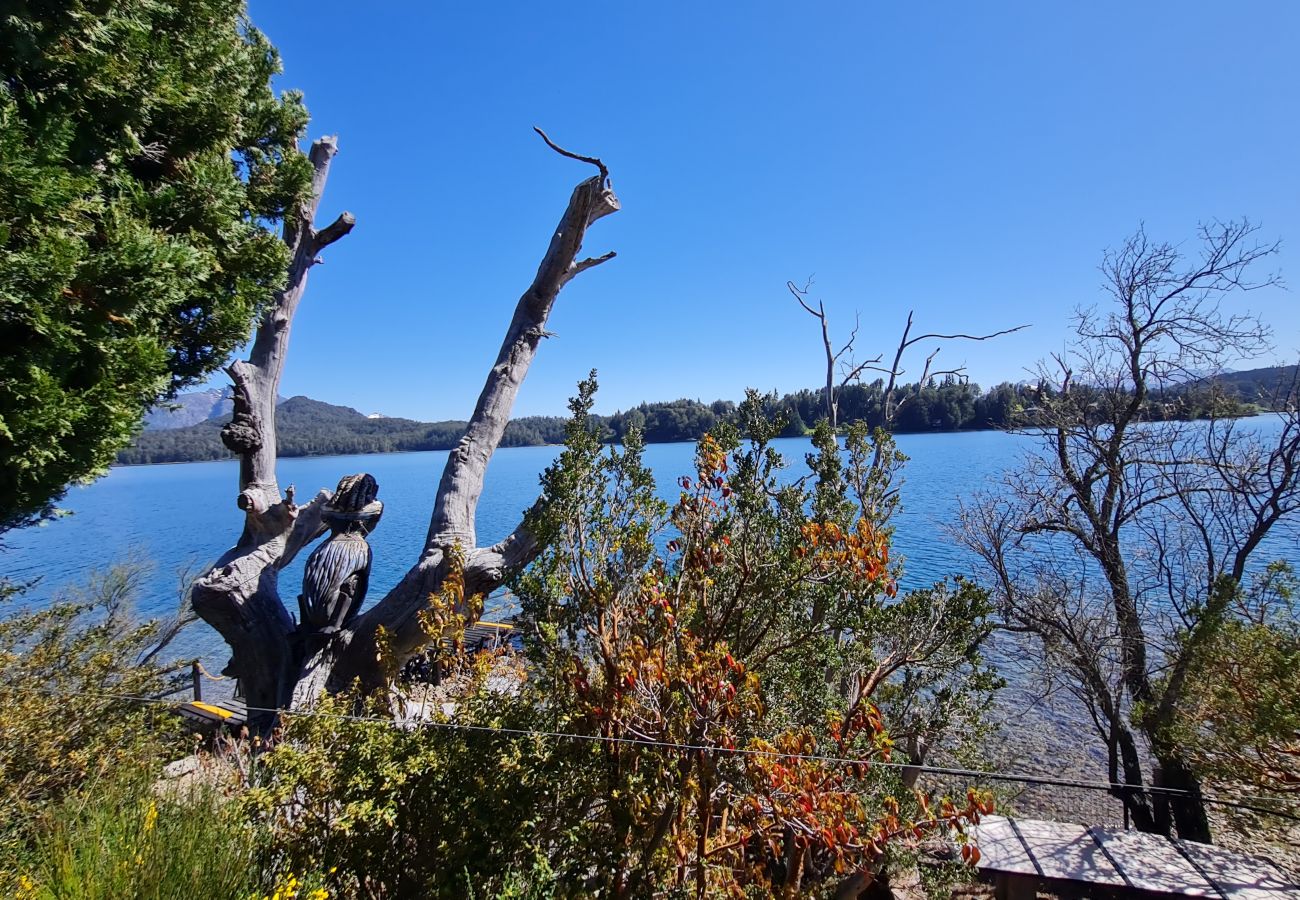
{"points": [[240, 596], [850, 371]]}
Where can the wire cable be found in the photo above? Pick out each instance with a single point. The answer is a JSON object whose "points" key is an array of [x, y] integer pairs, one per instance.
{"points": [[974, 774]]}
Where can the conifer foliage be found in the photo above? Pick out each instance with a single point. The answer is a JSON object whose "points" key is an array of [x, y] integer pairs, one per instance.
{"points": [[144, 163]]}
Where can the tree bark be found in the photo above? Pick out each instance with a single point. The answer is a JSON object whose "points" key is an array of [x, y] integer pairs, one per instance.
{"points": [[1184, 812], [240, 597], [451, 527]]}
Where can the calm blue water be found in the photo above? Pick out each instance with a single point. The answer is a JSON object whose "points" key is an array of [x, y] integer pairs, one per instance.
{"points": [[178, 516]]}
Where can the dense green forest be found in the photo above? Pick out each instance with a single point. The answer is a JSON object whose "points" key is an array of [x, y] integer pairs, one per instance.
{"points": [[309, 427]]}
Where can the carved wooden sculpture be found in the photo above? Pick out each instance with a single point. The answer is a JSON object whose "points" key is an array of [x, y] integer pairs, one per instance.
{"points": [[240, 597], [338, 571]]}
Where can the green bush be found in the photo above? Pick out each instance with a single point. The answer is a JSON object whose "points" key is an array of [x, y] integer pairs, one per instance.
{"points": [[81, 813], [605, 763], [63, 724], [1239, 724], [422, 811]]}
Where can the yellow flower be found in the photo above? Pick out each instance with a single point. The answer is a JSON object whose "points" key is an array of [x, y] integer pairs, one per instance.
{"points": [[286, 891], [150, 817]]}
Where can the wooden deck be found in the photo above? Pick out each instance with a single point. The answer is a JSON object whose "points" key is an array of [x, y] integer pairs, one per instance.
{"points": [[491, 636], [1022, 856], [220, 714]]}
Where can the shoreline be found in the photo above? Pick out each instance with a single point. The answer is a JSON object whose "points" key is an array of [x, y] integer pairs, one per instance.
{"points": [[231, 458]]}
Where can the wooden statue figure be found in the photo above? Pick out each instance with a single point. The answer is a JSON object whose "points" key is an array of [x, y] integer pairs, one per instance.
{"points": [[338, 571]]}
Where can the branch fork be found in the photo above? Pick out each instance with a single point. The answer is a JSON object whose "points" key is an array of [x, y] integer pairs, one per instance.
{"points": [[240, 595]]}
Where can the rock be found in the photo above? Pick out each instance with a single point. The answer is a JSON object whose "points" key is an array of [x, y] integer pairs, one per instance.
{"points": [[905, 883], [181, 767]]}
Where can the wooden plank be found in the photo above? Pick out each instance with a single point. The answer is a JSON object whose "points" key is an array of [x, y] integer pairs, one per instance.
{"points": [[199, 717], [1151, 863], [1001, 849], [208, 708], [1022, 852], [238, 712], [203, 714], [491, 635], [226, 713], [1240, 877], [1067, 852]]}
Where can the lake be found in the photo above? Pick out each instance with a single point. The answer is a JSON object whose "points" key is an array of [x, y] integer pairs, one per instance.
{"points": [[175, 517]]}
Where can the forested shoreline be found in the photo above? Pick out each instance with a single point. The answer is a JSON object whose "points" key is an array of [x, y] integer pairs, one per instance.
{"points": [[311, 428], [308, 427]]}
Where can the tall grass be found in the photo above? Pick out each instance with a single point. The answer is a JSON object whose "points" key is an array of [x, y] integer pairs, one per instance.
{"points": [[121, 839]]}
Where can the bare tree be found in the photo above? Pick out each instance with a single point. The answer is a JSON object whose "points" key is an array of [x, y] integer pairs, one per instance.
{"points": [[849, 370], [889, 407], [1121, 543], [277, 664]]}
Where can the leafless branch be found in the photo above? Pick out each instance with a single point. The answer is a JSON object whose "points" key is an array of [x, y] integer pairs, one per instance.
{"points": [[340, 227], [590, 262], [964, 337], [604, 172]]}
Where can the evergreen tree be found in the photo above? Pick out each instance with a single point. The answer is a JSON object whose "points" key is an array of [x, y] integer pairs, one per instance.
{"points": [[144, 161]]}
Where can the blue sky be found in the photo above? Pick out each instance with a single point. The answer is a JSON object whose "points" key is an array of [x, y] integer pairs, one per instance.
{"points": [[970, 161]]}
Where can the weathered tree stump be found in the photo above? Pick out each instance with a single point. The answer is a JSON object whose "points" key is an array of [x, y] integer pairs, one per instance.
{"points": [[280, 663]]}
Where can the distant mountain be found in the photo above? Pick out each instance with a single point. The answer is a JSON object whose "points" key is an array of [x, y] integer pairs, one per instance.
{"points": [[191, 409], [307, 427], [1267, 388]]}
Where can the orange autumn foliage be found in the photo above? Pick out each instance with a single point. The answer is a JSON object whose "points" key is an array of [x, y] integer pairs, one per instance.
{"points": [[677, 660]]}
